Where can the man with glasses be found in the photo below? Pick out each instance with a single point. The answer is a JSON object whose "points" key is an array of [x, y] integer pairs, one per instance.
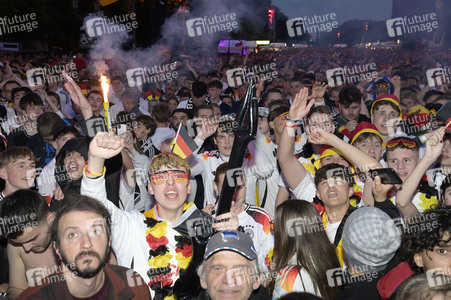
{"points": [[155, 244]]}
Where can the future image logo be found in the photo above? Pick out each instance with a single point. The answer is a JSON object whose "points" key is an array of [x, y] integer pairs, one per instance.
{"points": [[351, 75], [53, 74], [153, 74], [310, 25], [208, 25], [99, 26], [413, 24], [238, 76], [18, 23], [438, 76]]}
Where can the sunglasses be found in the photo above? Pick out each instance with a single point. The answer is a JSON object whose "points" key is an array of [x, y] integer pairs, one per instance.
{"points": [[408, 143], [179, 176], [433, 106]]}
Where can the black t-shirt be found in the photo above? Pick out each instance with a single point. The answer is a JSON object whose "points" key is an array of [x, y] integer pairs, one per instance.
{"points": [[18, 137], [360, 287]]}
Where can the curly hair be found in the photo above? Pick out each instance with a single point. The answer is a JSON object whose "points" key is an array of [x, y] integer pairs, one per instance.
{"points": [[424, 232]]}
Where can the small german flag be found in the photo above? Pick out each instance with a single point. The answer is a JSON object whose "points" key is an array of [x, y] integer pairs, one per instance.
{"points": [[183, 145]]}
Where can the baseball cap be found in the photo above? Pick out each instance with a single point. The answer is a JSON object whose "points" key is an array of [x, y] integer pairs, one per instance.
{"points": [[233, 240]]}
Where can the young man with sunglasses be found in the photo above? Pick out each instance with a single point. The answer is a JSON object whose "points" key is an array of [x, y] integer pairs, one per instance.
{"points": [[416, 193], [155, 244]]}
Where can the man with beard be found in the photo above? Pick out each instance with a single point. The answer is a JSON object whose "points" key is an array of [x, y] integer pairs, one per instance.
{"points": [[81, 236]]}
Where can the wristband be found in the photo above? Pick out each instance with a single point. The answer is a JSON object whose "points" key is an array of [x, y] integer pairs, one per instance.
{"points": [[423, 138], [293, 120], [85, 170], [290, 123]]}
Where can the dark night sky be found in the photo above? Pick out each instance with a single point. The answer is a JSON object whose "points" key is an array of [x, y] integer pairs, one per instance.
{"points": [[344, 9]]}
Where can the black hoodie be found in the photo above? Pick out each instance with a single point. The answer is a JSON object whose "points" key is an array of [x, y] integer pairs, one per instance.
{"points": [[69, 186]]}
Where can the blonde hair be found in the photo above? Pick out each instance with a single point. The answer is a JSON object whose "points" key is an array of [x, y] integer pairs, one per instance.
{"points": [[167, 160]]}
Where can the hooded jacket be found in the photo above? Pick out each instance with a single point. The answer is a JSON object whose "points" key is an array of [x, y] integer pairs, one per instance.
{"points": [[69, 186]]}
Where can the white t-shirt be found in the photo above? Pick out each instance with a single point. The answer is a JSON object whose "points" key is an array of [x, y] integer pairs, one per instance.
{"points": [[46, 180], [161, 134]]}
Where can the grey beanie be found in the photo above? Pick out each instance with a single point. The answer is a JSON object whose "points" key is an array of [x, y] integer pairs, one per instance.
{"points": [[370, 239]]}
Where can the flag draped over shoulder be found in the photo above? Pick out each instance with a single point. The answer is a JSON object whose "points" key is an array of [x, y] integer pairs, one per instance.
{"points": [[182, 144]]}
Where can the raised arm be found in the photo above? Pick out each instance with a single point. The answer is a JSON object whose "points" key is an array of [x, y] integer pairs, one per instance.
{"points": [[77, 96], [361, 160], [206, 130], [396, 82], [101, 147], [292, 169], [434, 147], [127, 163]]}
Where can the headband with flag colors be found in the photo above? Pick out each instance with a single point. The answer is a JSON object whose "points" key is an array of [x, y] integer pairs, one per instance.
{"points": [[391, 98], [282, 114], [327, 150], [364, 127]]}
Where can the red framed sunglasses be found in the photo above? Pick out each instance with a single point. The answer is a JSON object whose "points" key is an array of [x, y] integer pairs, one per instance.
{"points": [[408, 143]]}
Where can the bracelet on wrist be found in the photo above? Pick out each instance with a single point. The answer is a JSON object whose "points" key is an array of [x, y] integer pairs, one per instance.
{"points": [[86, 171], [290, 125], [293, 120], [423, 138]]}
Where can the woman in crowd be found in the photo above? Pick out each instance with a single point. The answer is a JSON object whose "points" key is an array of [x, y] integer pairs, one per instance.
{"points": [[307, 254]]}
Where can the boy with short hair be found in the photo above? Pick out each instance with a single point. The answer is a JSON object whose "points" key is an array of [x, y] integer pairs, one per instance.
{"points": [[31, 105], [214, 95], [425, 245], [386, 113], [17, 168], [350, 103], [27, 227], [47, 124], [140, 237], [161, 113], [416, 193], [144, 127]]}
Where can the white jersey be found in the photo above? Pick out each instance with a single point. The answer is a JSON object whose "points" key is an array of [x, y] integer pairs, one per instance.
{"points": [[293, 278], [256, 165], [256, 222]]}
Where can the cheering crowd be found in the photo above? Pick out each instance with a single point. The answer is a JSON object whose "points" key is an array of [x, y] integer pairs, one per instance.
{"points": [[343, 193]]}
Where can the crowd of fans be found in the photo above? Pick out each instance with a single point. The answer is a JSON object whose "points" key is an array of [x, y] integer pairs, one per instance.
{"points": [[344, 193]]}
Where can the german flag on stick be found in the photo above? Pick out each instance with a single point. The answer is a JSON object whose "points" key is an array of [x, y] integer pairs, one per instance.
{"points": [[182, 144]]}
